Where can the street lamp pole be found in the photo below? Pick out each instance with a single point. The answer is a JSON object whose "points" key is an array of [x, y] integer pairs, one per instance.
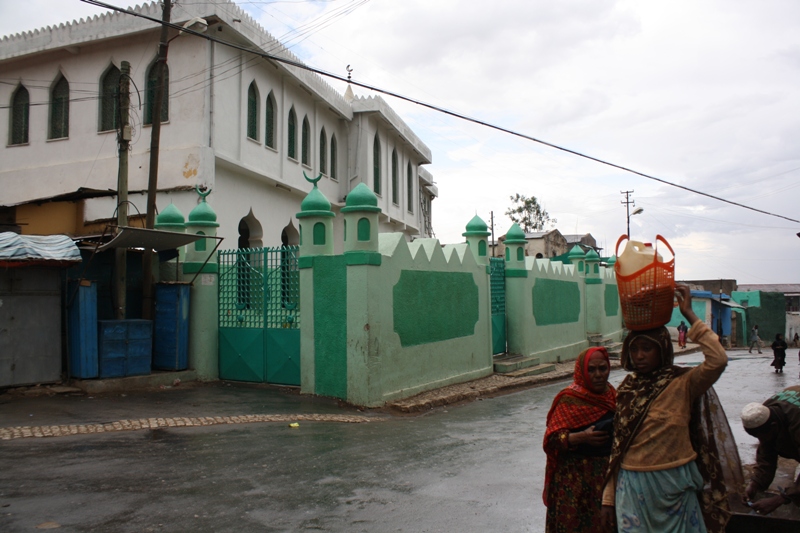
{"points": [[628, 214]]}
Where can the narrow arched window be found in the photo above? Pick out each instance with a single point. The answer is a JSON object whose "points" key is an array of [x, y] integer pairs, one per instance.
{"points": [[269, 137], [364, 229], [151, 91], [333, 157], [252, 111], [376, 165], [323, 152], [319, 234], [59, 110], [482, 248], [109, 99], [395, 185], [20, 112], [306, 148], [410, 188], [291, 131]]}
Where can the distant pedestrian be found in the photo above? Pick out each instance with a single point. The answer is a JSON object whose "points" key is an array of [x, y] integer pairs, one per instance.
{"points": [[754, 339], [665, 471], [779, 347], [577, 443], [682, 329], [796, 340]]}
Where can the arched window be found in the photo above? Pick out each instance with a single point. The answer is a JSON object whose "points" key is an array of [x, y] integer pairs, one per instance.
{"points": [[306, 148], [109, 99], [376, 165], [291, 131], [252, 111], [150, 93], [59, 110], [410, 188], [363, 229], [395, 184], [482, 248], [200, 244], [323, 151], [20, 112], [269, 137], [333, 157], [520, 254], [319, 234]]}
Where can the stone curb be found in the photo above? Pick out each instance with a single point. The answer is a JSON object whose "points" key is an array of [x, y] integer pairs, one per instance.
{"points": [[23, 432]]}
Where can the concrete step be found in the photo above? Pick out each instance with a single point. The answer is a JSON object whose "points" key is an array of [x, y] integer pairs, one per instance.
{"points": [[510, 363], [531, 370]]}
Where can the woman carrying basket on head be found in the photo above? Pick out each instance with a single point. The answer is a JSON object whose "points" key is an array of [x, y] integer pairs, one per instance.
{"points": [[668, 435]]}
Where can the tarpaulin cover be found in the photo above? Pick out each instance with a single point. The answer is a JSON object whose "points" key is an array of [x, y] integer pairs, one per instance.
{"points": [[21, 250]]}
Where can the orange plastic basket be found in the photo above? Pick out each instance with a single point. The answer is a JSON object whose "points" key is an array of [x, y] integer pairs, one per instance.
{"points": [[647, 296]]}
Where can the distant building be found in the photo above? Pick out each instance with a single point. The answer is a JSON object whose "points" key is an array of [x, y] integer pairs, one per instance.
{"points": [[550, 244]]}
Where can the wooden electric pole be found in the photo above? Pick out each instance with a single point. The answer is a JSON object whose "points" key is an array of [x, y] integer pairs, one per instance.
{"points": [[123, 142], [155, 139]]}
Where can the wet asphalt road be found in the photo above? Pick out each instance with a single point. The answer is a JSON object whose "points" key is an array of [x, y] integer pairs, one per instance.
{"points": [[469, 468]]}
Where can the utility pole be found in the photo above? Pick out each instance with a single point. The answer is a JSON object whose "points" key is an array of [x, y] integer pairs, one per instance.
{"points": [[123, 141], [628, 202], [152, 182]]}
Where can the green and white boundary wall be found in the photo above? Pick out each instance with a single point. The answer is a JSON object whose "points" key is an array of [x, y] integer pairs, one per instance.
{"points": [[552, 308], [388, 319]]}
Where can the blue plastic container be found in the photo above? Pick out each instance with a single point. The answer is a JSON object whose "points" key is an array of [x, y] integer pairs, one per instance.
{"points": [[82, 328], [171, 328], [125, 347]]}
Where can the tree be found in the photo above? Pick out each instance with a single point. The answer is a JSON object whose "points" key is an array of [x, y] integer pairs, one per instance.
{"points": [[528, 213]]}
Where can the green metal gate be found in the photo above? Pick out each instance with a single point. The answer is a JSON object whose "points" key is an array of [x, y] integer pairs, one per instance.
{"points": [[497, 279], [259, 329]]}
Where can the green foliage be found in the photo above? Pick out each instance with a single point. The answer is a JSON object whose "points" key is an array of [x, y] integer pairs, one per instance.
{"points": [[528, 213]]}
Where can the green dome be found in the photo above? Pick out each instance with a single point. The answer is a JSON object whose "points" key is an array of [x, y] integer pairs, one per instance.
{"points": [[592, 255], [170, 218], [515, 235], [576, 253], [361, 198], [203, 215], [476, 227], [611, 260], [315, 205]]}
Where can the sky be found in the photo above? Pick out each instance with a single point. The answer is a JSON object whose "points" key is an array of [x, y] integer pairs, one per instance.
{"points": [[700, 94]]}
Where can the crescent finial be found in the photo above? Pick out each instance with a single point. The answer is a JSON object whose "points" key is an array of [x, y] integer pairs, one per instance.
{"points": [[315, 180], [202, 194]]}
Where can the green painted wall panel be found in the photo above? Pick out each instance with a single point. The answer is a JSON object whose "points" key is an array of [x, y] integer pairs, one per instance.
{"points": [[330, 326], [434, 306], [556, 302], [611, 300]]}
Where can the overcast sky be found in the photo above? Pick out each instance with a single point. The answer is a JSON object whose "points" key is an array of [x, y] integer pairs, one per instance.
{"points": [[701, 94]]}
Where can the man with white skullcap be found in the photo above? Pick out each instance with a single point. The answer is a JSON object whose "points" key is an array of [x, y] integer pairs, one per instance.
{"points": [[776, 425]]}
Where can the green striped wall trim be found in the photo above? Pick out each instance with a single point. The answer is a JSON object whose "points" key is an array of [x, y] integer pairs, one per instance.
{"points": [[434, 306], [330, 326], [357, 257], [194, 268], [556, 302], [611, 297], [516, 273], [594, 281], [305, 261]]}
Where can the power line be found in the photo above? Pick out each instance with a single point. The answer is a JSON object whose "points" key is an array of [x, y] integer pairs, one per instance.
{"points": [[454, 114]]}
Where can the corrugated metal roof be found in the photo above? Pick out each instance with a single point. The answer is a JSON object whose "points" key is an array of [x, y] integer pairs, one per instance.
{"points": [[785, 288], [20, 250]]}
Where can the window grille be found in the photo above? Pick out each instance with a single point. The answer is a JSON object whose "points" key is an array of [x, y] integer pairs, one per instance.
{"points": [[306, 148], [109, 99], [252, 111], [20, 113], [376, 165], [59, 110], [333, 157], [269, 138], [323, 156], [395, 186], [150, 94], [292, 132]]}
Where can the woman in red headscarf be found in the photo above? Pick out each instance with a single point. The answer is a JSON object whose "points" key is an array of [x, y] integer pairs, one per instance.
{"points": [[577, 443]]}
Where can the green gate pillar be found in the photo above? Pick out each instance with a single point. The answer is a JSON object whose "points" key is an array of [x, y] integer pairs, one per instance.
{"points": [[578, 259], [476, 234], [316, 241], [519, 305], [361, 227], [171, 219], [204, 296], [595, 302]]}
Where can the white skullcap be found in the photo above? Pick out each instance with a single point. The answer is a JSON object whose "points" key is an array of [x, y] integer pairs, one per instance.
{"points": [[754, 415]]}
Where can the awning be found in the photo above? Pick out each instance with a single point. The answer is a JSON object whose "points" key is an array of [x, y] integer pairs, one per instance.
{"points": [[26, 250], [730, 304], [153, 239]]}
